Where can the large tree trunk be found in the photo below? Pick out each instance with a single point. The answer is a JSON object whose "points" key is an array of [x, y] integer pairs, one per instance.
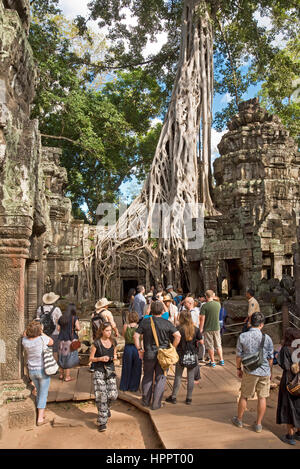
{"points": [[173, 178]]}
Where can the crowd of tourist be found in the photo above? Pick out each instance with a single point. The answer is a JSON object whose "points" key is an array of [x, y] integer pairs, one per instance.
{"points": [[153, 321]]}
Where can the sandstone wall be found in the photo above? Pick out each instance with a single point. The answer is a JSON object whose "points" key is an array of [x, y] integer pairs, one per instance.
{"points": [[20, 199]]}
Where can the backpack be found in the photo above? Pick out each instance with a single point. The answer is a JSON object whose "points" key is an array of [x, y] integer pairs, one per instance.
{"points": [[97, 320], [189, 359], [47, 321]]}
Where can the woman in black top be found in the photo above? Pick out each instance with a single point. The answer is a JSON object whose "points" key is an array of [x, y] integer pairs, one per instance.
{"points": [[188, 355], [288, 408], [68, 326], [103, 354]]}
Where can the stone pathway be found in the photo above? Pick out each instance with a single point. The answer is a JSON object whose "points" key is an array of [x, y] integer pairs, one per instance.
{"points": [[206, 424]]}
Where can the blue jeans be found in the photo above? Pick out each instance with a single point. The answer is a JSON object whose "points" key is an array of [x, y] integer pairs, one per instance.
{"points": [[42, 383]]}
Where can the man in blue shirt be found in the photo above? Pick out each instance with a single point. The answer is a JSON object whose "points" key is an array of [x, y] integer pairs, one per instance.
{"points": [[139, 301], [259, 379]]}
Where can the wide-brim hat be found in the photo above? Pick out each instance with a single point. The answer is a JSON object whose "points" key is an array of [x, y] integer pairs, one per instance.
{"points": [[167, 298], [50, 298], [169, 286], [149, 294], [101, 303]]}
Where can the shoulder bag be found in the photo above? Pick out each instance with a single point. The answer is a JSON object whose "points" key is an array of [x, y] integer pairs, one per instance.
{"points": [[166, 357], [50, 365], [255, 360]]}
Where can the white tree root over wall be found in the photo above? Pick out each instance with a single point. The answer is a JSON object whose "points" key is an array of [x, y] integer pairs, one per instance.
{"points": [[173, 178]]}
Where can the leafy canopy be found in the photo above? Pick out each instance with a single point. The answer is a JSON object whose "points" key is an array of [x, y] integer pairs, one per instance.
{"points": [[104, 130], [244, 46]]}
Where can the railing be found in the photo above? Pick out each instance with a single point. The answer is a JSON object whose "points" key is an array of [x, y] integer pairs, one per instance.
{"points": [[242, 323], [286, 314], [296, 317]]}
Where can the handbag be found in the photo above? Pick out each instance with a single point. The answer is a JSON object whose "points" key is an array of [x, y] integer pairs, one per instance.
{"points": [[166, 357], [293, 386], [50, 364], [255, 360], [69, 360], [109, 372], [75, 343]]}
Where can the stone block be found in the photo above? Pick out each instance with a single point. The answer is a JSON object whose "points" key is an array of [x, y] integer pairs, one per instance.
{"points": [[21, 414], [236, 308], [274, 331]]}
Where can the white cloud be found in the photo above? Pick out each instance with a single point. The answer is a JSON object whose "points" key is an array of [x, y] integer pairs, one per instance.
{"points": [[155, 121], [72, 8], [154, 47], [263, 21], [279, 41], [215, 140], [266, 22], [129, 19], [226, 98]]}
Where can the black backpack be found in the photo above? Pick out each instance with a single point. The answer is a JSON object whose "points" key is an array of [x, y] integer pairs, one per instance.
{"points": [[255, 360], [97, 320], [47, 321]]}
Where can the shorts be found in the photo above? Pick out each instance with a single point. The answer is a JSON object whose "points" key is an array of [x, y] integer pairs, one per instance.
{"points": [[252, 384], [212, 339], [54, 337]]}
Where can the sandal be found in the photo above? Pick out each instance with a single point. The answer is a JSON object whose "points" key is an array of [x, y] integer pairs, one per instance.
{"points": [[42, 423], [61, 377], [70, 379]]}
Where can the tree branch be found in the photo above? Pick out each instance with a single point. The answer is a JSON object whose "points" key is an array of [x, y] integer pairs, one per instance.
{"points": [[56, 137]]}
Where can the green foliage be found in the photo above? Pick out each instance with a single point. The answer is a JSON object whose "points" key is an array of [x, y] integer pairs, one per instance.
{"points": [[104, 131], [281, 91]]}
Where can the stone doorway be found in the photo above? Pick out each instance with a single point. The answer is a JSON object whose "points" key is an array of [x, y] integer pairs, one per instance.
{"points": [[127, 285], [235, 277]]}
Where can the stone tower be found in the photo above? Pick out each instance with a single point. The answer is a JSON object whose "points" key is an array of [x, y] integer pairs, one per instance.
{"points": [[257, 194]]}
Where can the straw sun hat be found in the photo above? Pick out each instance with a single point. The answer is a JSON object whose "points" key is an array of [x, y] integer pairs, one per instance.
{"points": [[101, 303], [50, 298], [167, 298]]}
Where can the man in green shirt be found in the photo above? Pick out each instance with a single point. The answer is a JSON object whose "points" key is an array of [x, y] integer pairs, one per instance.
{"points": [[210, 327]]}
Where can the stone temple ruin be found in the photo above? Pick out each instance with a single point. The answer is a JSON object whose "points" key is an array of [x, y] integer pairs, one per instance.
{"points": [[253, 241]]}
